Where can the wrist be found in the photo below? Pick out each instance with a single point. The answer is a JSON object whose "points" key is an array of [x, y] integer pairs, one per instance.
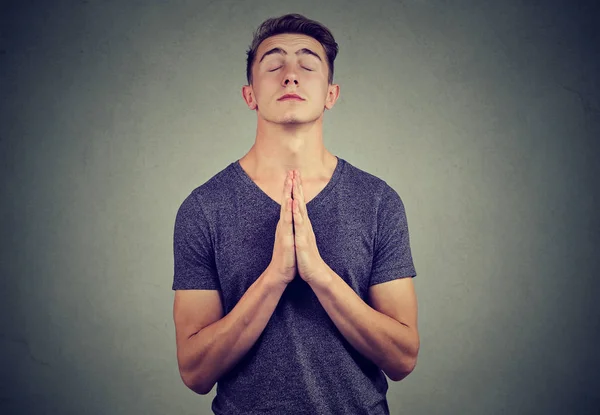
{"points": [[273, 279]]}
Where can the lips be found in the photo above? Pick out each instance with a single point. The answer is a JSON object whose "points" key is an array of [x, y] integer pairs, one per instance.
{"points": [[291, 96]]}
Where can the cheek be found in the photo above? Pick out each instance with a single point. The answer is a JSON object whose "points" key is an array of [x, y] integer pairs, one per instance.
{"points": [[266, 86], [323, 90], [260, 88]]}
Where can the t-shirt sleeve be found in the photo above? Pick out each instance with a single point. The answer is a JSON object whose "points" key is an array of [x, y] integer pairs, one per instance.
{"points": [[392, 258], [193, 251]]}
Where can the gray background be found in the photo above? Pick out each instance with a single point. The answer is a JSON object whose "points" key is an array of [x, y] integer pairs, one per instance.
{"points": [[482, 115]]}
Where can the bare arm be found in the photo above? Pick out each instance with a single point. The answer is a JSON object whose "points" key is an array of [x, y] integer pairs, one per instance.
{"points": [[386, 332], [208, 344]]}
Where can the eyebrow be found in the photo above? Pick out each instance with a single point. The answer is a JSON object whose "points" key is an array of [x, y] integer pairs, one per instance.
{"points": [[303, 51]]}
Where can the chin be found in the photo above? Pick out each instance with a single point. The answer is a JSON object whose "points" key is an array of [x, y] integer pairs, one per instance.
{"points": [[292, 120], [298, 119]]}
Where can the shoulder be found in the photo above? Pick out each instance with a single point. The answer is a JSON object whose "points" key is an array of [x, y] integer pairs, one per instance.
{"points": [[211, 192], [365, 183]]}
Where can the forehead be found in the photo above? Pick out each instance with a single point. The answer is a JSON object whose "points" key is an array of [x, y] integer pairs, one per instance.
{"points": [[290, 42]]}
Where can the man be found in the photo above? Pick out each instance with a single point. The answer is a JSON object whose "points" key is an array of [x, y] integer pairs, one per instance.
{"points": [[292, 267]]}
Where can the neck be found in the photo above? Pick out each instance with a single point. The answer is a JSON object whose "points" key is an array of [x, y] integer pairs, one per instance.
{"points": [[279, 148]]}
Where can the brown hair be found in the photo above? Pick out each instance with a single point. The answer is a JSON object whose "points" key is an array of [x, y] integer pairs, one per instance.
{"points": [[292, 23]]}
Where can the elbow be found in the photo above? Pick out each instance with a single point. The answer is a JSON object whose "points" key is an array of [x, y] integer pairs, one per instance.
{"points": [[405, 365], [195, 383], [403, 370], [192, 371], [409, 367]]}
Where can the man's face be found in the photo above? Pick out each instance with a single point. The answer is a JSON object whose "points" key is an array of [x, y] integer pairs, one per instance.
{"points": [[290, 64]]}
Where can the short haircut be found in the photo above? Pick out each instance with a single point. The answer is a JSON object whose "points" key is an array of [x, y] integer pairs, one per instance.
{"points": [[292, 23]]}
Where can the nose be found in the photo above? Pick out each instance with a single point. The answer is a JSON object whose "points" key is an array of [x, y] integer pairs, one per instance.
{"points": [[290, 77], [290, 74]]}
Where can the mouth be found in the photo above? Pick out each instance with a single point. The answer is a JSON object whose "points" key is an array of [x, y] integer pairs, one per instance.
{"points": [[291, 97]]}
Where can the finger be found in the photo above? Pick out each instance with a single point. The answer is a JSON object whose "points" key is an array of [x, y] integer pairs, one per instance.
{"points": [[283, 198], [298, 220], [290, 205], [302, 201], [294, 193], [298, 193], [286, 200]]}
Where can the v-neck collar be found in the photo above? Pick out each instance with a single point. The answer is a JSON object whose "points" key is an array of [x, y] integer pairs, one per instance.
{"points": [[314, 201]]}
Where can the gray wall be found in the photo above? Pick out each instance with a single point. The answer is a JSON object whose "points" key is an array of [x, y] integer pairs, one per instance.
{"points": [[483, 115]]}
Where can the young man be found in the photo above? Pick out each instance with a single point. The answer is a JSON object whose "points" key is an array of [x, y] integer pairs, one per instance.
{"points": [[292, 267]]}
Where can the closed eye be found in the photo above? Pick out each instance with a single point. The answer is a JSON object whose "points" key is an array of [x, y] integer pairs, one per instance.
{"points": [[279, 67]]}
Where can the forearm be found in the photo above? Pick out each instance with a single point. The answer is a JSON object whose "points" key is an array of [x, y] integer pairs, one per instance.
{"points": [[388, 343], [218, 347]]}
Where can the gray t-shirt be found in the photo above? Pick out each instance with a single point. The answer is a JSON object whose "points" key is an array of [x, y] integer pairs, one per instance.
{"points": [[301, 363]]}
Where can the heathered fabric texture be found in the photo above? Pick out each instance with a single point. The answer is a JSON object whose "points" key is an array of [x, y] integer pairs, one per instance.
{"points": [[301, 363]]}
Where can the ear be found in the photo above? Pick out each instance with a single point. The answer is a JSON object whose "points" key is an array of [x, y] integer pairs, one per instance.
{"points": [[248, 95], [333, 92]]}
